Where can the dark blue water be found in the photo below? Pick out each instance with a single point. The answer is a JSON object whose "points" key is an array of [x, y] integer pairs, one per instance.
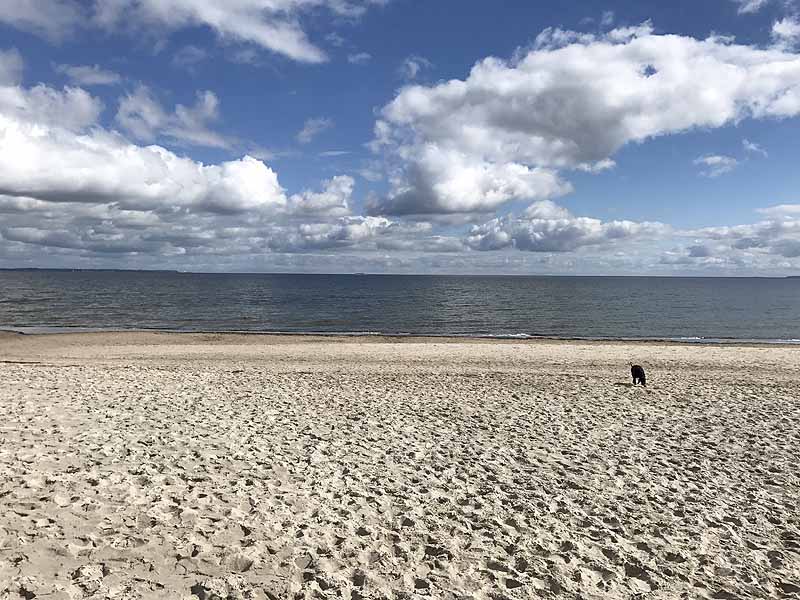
{"points": [[581, 307]]}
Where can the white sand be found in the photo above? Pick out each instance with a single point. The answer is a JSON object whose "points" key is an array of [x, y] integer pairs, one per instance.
{"points": [[161, 466]]}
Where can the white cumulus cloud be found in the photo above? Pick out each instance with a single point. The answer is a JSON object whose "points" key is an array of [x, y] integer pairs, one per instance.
{"points": [[72, 108], [786, 32], [102, 167], [342, 233], [141, 115], [72, 188], [546, 227], [546, 209], [778, 235], [570, 103], [444, 181], [331, 201]]}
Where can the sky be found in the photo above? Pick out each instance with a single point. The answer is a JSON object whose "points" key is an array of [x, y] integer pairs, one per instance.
{"points": [[628, 137]]}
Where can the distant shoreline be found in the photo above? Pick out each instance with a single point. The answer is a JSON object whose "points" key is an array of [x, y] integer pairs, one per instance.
{"points": [[46, 270], [360, 274]]}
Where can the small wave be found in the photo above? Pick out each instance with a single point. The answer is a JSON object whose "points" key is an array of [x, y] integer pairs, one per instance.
{"points": [[49, 329], [513, 336]]}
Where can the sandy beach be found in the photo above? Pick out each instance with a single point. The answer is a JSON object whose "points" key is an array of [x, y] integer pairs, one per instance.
{"points": [[147, 465]]}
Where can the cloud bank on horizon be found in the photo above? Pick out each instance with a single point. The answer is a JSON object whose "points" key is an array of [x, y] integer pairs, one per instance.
{"points": [[126, 155]]}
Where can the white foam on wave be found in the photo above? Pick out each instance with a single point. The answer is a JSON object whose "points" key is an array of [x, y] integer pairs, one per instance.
{"points": [[43, 330]]}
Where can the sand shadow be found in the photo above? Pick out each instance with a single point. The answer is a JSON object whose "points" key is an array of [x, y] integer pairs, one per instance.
{"points": [[621, 384]]}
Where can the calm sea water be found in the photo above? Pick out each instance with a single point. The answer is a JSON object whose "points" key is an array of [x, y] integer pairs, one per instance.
{"points": [[581, 307]]}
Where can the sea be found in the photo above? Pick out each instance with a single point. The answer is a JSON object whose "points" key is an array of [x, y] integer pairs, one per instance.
{"points": [[608, 308]]}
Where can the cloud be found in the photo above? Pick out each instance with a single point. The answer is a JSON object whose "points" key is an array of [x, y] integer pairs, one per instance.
{"points": [[52, 19], [781, 210], [786, 32], [189, 56], [702, 258], [441, 181], [94, 227], [546, 209], [101, 167], [141, 115], [788, 248], [246, 56], [269, 24], [312, 128], [750, 6], [273, 25], [88, 75], [435, 243], [546, 227], [580, 103], [102, 196], [601, 165], [570, 103], [72, 190], [716, 165], [334, 39], [778, 235], [72, 108], [360, 58], [413, 65], [71, 240], [11, 66], [753, 148], [334, 153], [333, 200], [699, 251], [372, 170], [346, 232], [67, 185]]}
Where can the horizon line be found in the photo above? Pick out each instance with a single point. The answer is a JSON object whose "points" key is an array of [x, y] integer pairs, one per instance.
{"points": [[367, 274]]}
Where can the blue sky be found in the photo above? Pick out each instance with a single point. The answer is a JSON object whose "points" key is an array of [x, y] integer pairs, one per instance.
{"points": [[398, 136]]}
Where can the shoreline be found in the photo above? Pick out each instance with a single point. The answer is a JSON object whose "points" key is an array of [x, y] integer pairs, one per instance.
{"points": [[384, 337]]}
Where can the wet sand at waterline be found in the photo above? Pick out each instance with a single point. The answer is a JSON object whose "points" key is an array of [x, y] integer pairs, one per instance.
{"points": [[147, 465]]}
